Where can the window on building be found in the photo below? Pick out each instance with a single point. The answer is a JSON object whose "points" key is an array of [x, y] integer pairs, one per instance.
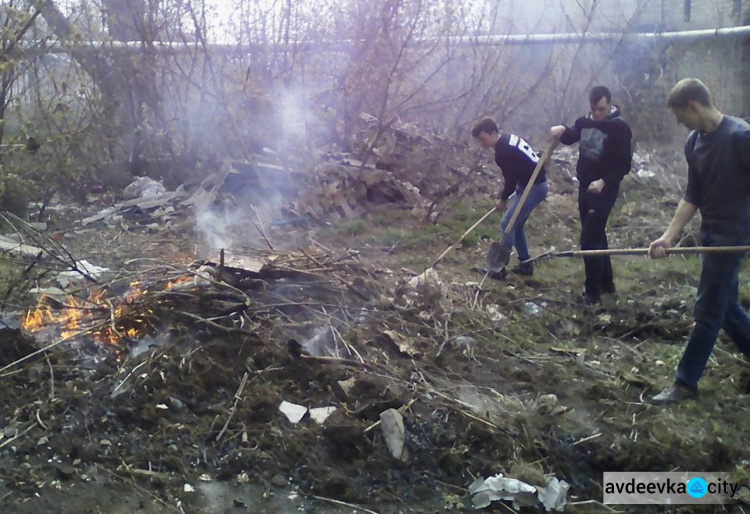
{"points": [[686, 10]]}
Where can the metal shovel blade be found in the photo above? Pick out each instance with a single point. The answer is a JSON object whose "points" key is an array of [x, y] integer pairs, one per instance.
{"points": [[497, 256]]}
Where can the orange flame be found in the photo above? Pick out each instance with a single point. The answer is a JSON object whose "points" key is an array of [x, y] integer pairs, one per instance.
{"points": [[178, 281], [77, 316]]}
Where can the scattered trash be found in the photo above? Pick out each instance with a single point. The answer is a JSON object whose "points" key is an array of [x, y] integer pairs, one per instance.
{"points": [[555, 495], [532, 308], [552, 497], [204, 276], [294, 413], [429, 278], [82, 268], [143, 187], [48, 291], [9, 245], [321, 414], [484, 492], [188, 488]]}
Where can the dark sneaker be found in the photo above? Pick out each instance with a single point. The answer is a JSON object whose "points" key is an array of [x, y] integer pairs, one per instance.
{"points": [[494, 275], [524, 268], [609, 288], [674, 394]]}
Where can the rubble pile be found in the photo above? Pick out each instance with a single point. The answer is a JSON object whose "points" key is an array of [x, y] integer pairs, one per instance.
{"points": [[397, 165]]}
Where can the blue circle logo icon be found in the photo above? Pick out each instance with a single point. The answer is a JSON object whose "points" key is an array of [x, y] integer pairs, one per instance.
{"points": [[697, 487]]}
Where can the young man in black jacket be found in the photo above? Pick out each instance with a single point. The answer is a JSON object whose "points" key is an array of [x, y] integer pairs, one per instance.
{"points": [[605, 157], [718, 158], [517, 161]]}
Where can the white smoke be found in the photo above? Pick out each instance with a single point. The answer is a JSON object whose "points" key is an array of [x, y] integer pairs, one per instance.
{"points": [[293, 114], [214, 228]]}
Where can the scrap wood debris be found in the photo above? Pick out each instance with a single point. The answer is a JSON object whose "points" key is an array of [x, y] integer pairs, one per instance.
{"points": [[404, 168]]}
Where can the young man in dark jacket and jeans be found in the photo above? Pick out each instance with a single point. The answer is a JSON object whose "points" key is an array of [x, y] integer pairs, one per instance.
{"points": [[605, 157], [517, 161], [718, 157]]}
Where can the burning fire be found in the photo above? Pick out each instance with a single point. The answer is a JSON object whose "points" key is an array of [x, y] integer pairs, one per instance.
{"points": [[106, 322], [178, 281], [42, 317]]}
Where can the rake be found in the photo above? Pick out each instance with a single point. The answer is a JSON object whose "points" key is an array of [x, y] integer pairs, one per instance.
{"points": [[638, 251]]}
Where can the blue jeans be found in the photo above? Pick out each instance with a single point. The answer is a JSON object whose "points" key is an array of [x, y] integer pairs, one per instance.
{"points": [[716, 306], [517, 237]]}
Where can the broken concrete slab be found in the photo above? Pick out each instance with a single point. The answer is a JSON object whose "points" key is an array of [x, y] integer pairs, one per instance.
{"points": [[9, 245]]}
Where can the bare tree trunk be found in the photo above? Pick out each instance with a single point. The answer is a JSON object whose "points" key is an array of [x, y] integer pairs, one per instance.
{"points": [[96, 66]]}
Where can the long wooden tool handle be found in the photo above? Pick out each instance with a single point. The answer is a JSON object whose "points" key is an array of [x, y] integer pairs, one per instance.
{"points": [[551, 144], [468, 231], [644, 251]]}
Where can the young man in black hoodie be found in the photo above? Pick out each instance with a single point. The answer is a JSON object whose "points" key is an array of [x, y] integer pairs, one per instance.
{"points": [[718, 158], [604, 158], [517, 161]]}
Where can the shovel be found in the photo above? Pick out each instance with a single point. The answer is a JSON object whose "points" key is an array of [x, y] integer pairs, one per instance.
{"points": [[498, 255], [640, 251]]}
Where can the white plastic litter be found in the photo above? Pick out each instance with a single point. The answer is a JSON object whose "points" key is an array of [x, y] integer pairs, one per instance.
{"points": [[321, 414], [552, 497], [294, 413], [144, 187]]}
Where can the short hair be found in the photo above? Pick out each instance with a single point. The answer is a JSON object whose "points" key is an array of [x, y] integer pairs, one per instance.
{"points": [[486, 125], [689, 90], [599, 92]]}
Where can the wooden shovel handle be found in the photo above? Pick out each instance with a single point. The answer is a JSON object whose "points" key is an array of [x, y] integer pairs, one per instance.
{"points": [[644, 251], [551, 145]]}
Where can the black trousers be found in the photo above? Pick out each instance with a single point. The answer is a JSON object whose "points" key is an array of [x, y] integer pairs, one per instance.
{"points": [[594, 210]]}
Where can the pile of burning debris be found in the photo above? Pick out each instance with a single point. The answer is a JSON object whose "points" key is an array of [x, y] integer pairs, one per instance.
{"points": [[265, 370]]}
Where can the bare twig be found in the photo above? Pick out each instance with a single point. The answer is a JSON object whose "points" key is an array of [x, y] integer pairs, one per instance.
{"points": [[39, 420], [237, 398], [51, 380], [50, 346], [17, 436], [259, 226], [586, 439]]}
